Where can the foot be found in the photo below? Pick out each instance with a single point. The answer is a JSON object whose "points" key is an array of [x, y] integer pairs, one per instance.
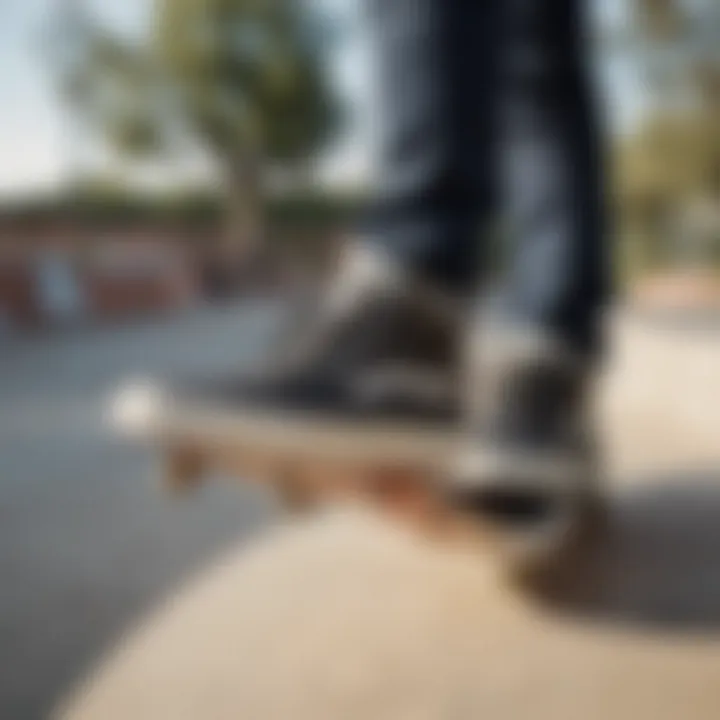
{"points": [[529, 466], [370, 371]]}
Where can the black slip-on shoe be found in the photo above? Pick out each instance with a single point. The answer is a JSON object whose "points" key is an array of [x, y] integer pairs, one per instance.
{"points": [[370, 373], [529, 464]]}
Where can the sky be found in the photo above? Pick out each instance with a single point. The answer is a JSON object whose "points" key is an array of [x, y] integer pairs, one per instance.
{"points": [[36, 138], [33, 127]]}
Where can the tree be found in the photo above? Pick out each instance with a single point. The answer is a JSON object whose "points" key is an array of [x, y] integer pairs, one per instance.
{"points": [[243, 80], [671, 162]]}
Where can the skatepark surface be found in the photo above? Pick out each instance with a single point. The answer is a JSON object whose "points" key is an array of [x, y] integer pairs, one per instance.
{"points": [[347, 615]]}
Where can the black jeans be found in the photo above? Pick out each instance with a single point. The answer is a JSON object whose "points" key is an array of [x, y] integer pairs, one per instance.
{"points": [[486, 128]]}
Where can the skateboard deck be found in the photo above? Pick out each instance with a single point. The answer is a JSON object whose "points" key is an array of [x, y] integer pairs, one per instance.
{"points": [[306, 461], [310, 466], [302, 479], [413, 494]]}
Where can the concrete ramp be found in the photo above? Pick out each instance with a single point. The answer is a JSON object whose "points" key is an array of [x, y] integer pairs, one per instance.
{"points": [[348, 617]]}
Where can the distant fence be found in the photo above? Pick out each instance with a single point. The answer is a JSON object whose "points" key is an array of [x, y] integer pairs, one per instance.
{"points": [[50, 288]]}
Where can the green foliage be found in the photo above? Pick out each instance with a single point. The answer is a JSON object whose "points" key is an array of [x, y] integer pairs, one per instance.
{"points": [[113, 89], [672, 160], [241, 78], [660, 19], [107, 206]]}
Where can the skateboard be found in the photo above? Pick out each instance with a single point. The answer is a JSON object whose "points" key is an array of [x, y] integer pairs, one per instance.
{"points": [[403, 476]]}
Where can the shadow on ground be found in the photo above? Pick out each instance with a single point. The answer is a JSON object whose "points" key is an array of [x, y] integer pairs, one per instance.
{"points": [[656, 566]]}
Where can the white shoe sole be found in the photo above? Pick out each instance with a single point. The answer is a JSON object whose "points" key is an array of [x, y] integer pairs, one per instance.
{"points": [[564, 487]]}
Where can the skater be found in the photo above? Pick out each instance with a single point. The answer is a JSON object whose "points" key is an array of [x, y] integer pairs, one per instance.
{"points": [[486, 132]]}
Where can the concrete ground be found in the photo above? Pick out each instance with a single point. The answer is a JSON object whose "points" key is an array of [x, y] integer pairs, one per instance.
{"points": [[87, 542], [87, 546]]}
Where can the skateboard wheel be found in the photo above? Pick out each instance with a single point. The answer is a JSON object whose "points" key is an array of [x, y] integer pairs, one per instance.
{"points": [[295, 495], [183, 469]]}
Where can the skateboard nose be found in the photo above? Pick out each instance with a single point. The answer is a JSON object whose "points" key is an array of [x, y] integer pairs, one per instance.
{"points": [[136, 409]]}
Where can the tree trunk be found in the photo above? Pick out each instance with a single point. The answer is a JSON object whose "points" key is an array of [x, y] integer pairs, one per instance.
{"points": [[241, 244]]}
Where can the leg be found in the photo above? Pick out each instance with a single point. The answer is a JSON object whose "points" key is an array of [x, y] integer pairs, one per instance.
{"points": [[436, 92], [552, 175], [530, 460]]}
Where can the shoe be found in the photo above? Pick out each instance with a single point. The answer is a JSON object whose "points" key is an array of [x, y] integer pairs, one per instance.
{"points": [[529, 467], [371, 373]]}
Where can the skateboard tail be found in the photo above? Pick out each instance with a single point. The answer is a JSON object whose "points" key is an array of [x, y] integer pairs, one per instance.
{"points": [[138, 410]]}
